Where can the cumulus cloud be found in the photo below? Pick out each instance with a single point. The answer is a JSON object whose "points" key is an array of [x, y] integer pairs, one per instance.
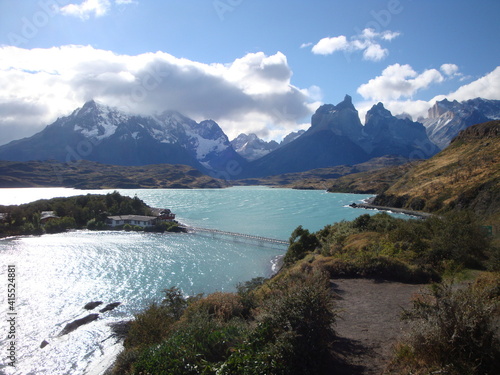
{"points": [[398, 81], [367, 41], [246, 95], [327, 46], [487, 87], [449, 69]]}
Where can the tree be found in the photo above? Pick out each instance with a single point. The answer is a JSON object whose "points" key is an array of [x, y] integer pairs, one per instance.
{"points": [[301, 242]]}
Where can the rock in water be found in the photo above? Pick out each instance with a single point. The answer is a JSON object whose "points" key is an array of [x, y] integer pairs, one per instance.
{"points": [[70, 327], [92, 305], [110, 306]]}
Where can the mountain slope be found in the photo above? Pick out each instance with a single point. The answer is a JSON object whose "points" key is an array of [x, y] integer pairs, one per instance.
{"points": [[99, 133], [465, 175]]}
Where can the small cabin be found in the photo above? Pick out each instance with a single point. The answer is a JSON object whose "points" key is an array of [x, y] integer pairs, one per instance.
{"points": [[46, 216], [166, 215]]}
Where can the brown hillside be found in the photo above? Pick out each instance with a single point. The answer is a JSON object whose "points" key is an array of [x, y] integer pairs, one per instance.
{"points": [[466, 175]]}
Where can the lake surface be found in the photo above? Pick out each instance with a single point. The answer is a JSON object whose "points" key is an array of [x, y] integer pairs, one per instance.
{"points": [[57, 274]]}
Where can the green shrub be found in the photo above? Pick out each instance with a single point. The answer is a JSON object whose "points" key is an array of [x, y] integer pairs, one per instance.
{"points": [[293, 332], [195, 348], [60, 225], [301, 242], [150, 327], [94, 224], [454, 331]]}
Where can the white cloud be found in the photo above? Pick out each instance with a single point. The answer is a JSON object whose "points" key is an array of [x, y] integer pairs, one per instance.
{"points": [[487, 87], [247, 95], [327, 46], [375, 52], [398, 81], [88, 8], [368, 42], [449, 69]]}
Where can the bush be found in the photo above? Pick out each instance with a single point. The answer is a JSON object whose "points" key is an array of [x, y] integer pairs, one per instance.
{"points": [[149, 327], [94, 224], [60, 225], [301, 242], [453, 331], [293, 332], [195, 348]]}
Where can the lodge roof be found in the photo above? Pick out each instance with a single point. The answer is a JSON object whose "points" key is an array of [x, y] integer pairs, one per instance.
{"points": [[132, 217]]}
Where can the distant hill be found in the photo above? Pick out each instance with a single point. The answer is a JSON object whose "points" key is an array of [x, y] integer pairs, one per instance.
{"points": [[92, 175], [465, 175], [323, 178]]}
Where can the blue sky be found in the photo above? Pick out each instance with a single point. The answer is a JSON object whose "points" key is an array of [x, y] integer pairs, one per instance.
{"points": [[252, 65]]}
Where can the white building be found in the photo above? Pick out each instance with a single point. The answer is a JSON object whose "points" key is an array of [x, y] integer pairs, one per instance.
{"points": [[142, 221]]}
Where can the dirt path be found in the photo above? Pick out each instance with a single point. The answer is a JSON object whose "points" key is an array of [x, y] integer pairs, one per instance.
{"points": [[369, 322]]}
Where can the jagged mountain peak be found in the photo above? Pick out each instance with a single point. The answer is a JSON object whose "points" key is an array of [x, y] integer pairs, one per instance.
{"points": [[379, 110]]}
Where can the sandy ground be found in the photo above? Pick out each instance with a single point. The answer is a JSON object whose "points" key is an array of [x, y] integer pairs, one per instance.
{"points": [[369, 323]]}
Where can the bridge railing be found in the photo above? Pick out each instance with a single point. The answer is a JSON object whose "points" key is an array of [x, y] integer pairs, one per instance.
{"points": [[262, 241]]}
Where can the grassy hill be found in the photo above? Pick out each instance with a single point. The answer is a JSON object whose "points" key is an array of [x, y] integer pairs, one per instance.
{"points": [[92, 175], [466, 175], [371, 182]]}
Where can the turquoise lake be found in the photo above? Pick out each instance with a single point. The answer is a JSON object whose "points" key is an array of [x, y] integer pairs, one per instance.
{"points": [[56, 275]]}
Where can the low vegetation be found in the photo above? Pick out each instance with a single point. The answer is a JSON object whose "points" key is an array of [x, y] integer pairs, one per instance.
{"points": [[383, 247], [453, 330], [275, 327]]}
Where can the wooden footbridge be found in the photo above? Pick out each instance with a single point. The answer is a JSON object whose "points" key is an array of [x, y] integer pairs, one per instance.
{"points": [[240, 237]]}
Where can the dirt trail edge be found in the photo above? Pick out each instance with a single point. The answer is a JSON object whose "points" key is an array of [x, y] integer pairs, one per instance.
{"points": [[369, 323]]}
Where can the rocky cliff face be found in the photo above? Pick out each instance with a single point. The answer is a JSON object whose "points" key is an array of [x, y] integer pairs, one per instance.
{"points": [[446, 119], [390, 135]]}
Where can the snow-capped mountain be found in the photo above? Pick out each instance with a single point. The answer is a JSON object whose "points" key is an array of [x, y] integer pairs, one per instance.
{"points": [[100, 133], [251, 147], [446, 119]]}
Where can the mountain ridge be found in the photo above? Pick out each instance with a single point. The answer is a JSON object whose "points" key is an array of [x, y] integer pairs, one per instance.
{"points": [[103, 134]]}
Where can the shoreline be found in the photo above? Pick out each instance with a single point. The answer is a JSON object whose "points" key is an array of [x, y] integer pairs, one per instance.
{"points": [[369, 206]]}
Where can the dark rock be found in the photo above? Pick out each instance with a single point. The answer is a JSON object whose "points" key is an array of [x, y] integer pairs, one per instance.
{"points": [[92, 305], [70, 327], [110, 306], [44, 344], [120, 329]]}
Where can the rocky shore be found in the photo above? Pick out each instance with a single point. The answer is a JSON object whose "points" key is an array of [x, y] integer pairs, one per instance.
{"points": [[369, 206]]}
